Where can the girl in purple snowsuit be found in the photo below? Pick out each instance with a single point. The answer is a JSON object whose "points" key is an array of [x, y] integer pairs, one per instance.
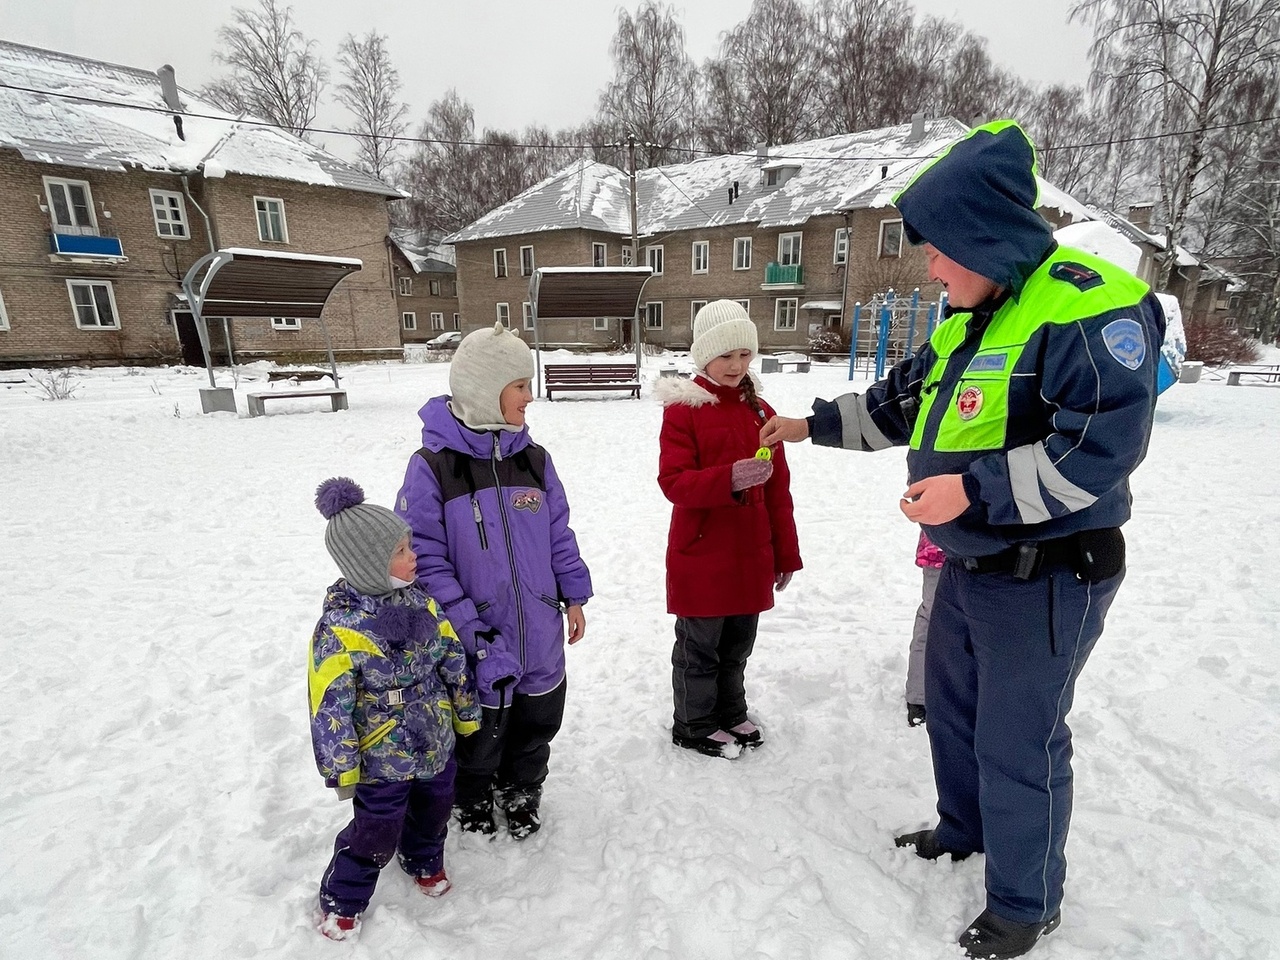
{"points": [[491, 532]]}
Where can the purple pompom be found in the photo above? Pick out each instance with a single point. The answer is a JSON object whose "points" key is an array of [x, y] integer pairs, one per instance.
{"points": [[334, 496]]}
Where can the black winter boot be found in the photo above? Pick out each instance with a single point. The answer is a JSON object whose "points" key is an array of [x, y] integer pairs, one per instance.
{"points": [[521, 805], [927, 846], [476, 817], [992, 937], [915, 714]]}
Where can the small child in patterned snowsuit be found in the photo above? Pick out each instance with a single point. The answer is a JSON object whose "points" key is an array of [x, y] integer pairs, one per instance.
{"points": [[389, 686]]}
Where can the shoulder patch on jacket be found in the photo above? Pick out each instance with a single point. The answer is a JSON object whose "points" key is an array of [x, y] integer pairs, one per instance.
{"points": [[1125, 342], [1076, 274]]}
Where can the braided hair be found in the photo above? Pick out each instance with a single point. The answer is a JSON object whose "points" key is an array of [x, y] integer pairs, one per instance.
{"points": [[749, 394]]}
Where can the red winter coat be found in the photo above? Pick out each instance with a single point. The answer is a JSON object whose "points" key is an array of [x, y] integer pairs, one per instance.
{"points": [[723, 549]]}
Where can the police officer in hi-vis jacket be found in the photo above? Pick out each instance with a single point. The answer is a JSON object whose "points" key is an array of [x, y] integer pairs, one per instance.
{"points": [[1025, 414]]}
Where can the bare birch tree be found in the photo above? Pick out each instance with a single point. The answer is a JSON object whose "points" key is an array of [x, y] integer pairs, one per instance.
{"points": [[370, 89], [275, 71], [440, 174], [1188, 60], [1060, 119], [767, 75], [652, 94], [871, 76]]}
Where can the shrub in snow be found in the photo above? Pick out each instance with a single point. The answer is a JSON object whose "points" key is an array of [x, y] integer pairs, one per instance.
{"points": [[56, 384], [1216, 343]]}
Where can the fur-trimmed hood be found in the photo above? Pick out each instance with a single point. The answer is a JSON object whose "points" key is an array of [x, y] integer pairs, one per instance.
{"points": [[697, 391]]}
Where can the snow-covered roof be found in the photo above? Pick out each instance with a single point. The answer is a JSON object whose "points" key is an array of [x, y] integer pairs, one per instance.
{"points": [[1096, 237], [845, 172], [60, 109], [425, 255], [1136, 234]]}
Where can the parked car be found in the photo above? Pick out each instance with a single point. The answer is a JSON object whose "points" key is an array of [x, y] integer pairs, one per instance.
{"points": [[448, 340]]}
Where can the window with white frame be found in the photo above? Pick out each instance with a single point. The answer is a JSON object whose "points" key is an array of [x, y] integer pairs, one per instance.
{"points": [[405, 286], [784, 314], [94, 304], [433, 287], [653, 315], [527, 312], [744, 304], [286, 323], [170, 212], [742, 253], [841, 252], [627, 259], [437, 320], [409, 320], [789, 249], [70, 206], [271, 225], [457, 321], [526, 261], [655, 258], [504, 314], [499, 261], [694, 307], [600, 323], [599, 255], [890, 238], [4, 314], [701, 256]]}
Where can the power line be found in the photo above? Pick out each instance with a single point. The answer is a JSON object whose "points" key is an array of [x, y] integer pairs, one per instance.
{"points": [[329, 131]]}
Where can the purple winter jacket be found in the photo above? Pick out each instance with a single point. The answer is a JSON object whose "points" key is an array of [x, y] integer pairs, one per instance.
{"points": [[491, 531]]}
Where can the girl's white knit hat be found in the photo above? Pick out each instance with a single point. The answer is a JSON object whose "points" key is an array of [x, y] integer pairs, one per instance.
{"points": [[719, 327], [484, 363]]}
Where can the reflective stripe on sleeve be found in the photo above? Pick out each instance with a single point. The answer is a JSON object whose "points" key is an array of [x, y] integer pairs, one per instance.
{"points": [[1030, 469], [858, 428]]}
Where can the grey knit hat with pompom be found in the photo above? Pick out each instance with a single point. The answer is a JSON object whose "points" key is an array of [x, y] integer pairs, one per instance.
{"points": [[361, 536]]}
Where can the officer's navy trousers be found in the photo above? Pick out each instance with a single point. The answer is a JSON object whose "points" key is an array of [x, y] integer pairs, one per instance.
{"points": [[1001, 664]]}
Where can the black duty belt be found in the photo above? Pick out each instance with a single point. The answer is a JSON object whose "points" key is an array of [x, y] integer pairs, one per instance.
{"points": [[1093, 554], [1025, 560]]}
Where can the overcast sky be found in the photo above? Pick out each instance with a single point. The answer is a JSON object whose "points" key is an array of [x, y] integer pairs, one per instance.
{"points": [[517, 61]]}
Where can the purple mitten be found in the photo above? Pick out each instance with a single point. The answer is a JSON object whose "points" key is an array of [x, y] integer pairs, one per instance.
{"points": [[750, 473]]}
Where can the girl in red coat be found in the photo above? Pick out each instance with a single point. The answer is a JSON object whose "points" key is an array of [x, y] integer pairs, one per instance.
{"points": [[733, 537]]}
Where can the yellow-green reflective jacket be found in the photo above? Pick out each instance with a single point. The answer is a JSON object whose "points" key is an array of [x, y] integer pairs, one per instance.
{"points": [[1043, 403]]}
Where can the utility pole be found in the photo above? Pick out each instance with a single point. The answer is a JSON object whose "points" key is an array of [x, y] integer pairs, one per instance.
{"points": [[635, 243]]}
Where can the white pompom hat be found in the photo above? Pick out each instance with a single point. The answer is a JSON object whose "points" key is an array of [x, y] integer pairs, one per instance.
{"points": [[719, 327]]}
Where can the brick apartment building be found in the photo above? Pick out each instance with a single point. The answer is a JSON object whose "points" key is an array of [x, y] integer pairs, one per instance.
{"points": [[798, 234], [109, 199], [426, 286]]}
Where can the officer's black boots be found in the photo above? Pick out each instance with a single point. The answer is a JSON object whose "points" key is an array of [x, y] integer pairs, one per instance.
{"points": [[927, 846], [915, 714], [995, 938]]}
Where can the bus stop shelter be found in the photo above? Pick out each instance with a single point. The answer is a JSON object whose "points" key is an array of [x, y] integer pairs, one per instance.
{"points": [[239, 282], [578, 293]]}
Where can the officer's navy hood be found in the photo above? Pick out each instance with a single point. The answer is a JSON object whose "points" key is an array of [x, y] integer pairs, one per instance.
{"points": [[977, 204]]}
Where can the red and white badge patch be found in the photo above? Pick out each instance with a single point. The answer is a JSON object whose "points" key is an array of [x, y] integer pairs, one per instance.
{"points": [[969, 403]]}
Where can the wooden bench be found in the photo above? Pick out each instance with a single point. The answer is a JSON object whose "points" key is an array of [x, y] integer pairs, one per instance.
{"points": [[299, 376], [559, 377], [1268, 373], [775, 364], [337, 398]]}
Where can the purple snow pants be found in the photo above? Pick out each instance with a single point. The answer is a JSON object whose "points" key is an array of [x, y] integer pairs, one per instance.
{"points": [[411, 816]]}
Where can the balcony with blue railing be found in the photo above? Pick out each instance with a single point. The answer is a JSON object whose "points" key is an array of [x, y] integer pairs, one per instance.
{"points": [[84, 243], [783, 276]]}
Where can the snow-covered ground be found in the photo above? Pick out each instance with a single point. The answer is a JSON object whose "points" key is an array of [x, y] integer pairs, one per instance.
{"points": [[163, 571]]}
